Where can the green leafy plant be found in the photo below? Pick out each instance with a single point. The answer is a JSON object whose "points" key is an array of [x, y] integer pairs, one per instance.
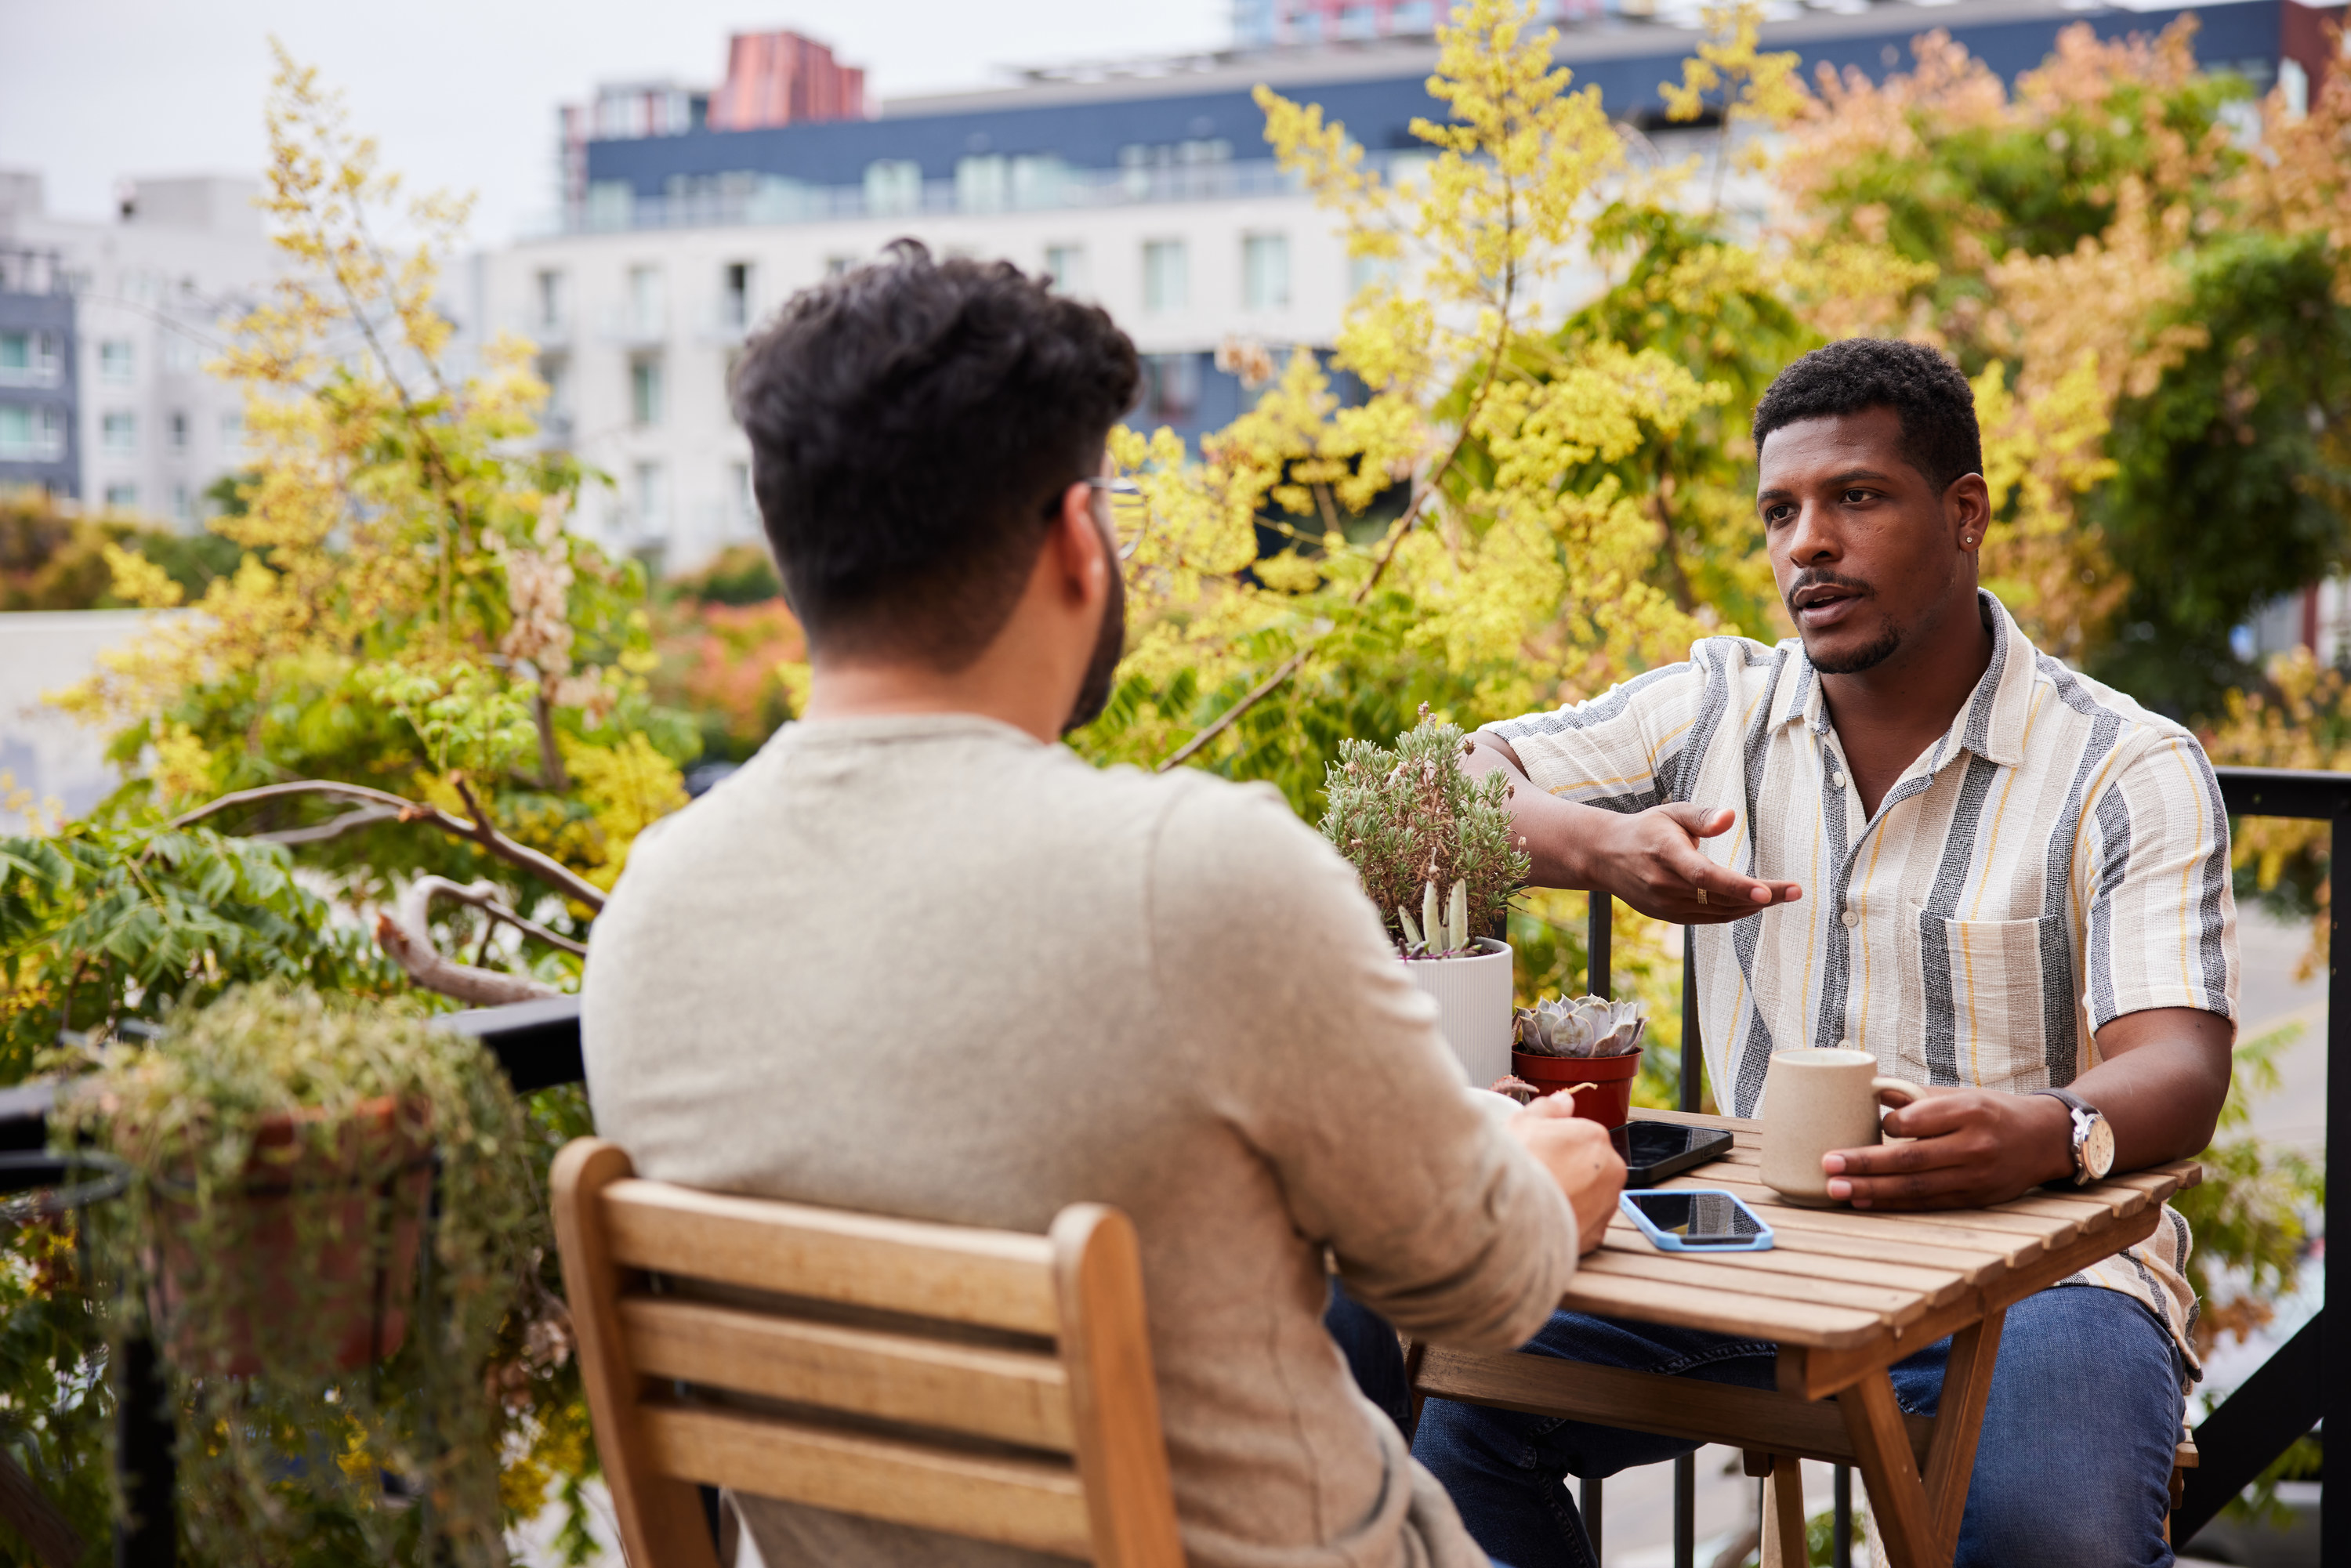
{"points": [[282, 1228], [1413, 822]]}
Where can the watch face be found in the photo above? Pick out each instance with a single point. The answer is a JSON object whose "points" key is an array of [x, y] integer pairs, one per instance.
{"points": [[2098, 1149]]}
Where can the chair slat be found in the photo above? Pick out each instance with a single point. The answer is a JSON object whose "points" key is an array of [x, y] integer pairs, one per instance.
{"points": [[1011, 1395], [1000, 1279], [1032, 1504]]}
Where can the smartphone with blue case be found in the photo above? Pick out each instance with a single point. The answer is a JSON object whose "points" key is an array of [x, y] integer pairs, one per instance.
{"points": [[1698, 1221]]}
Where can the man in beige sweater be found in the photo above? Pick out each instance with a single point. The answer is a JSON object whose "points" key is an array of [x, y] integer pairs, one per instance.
{"points": [[918, 958]]}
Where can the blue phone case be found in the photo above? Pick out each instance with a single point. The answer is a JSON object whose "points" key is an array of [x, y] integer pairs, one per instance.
{"points": [[1760, 1242]]}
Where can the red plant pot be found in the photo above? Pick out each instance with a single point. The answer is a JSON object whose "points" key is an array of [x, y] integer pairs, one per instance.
{"points": [[1608, 1102], [320, 1254]]}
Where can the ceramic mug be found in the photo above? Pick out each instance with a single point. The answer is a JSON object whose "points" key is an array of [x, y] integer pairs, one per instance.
{"points": [[1815, 1102]]}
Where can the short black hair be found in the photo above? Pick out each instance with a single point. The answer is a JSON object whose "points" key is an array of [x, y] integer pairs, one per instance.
{"points": [[1925, 391], [910, 421]]}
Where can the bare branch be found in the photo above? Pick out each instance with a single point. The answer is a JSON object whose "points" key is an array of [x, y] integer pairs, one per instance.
{"points": [[547, 869], [1231, 715], [348, 822], [405, 934]]}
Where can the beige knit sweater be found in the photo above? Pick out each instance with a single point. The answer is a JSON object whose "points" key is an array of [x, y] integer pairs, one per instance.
{"points": [[929, 967]]}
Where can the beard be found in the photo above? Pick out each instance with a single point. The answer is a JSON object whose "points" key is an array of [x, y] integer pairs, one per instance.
{"points": [[1866, 657], [1870, 655], [1110, 645]]}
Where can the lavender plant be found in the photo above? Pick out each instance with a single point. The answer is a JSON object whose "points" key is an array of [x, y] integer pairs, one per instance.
{"points": [[1424, 835]]}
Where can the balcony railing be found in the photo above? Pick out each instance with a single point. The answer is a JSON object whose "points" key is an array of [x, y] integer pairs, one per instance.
{"points": [[2295, 1390], [776, 201]]}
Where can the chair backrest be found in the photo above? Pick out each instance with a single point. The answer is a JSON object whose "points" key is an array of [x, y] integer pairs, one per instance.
{"points": [[982, 1383]]}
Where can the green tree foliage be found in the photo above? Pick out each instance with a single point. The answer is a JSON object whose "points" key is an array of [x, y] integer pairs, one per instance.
{"points": [[2226, 491]]}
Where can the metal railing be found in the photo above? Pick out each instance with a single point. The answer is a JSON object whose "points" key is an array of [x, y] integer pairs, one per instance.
{"points": [[2294, 1392]]}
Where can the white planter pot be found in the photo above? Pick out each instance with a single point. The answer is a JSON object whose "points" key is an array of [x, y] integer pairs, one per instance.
{"points": [[1473, 1007]]}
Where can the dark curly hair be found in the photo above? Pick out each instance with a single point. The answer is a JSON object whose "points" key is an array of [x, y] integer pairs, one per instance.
{"points": [[1937, 406], [910, 421]]}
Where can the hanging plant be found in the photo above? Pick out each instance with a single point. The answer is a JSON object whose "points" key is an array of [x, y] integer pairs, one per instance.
{"points": [[329, 1225]]}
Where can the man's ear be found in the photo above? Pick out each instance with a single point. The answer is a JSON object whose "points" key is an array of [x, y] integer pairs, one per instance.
{"points": [[1968, 504], [1077, 543]]}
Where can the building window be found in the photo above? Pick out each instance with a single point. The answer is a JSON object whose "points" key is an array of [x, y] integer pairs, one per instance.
{"points": [[182, 507], [734, 296], [27, 358], [645, 391], [892, 187], [1369, 271], [179, 429], [742, 506], [983, 183], [1067, 265], [651, 495], [181, 357], [121, 496], [1166, 282], [118, 433], [1265, 272], [1171, 388], [31, 434], [1356, 22], [233, 429], [550, 302], [114, 359], [648, 310]]}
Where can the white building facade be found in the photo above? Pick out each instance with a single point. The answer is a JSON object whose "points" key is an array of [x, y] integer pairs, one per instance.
{"points": [[156, 291]]}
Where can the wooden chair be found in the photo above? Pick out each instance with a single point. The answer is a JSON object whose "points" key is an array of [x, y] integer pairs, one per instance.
{"points": [[981, 1383]]}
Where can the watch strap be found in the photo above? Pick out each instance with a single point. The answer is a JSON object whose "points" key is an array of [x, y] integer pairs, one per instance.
{"points": [[2080, 1112]]}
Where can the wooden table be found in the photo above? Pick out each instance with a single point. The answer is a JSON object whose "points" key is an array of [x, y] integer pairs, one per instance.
{"points": [[1844, 1295]]}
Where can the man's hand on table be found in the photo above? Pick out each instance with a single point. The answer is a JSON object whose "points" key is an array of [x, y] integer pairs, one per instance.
{"points": [[1575, 1150], [2159, 1082], [1649, 859], [1970, 1148]]}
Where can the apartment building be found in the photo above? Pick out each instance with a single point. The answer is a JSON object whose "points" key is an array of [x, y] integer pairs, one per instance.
{"points": [[1145, 185], [150, 294], [38, 382]]}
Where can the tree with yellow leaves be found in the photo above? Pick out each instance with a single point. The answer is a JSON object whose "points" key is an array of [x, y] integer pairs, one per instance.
{"points": [[413, 636]]}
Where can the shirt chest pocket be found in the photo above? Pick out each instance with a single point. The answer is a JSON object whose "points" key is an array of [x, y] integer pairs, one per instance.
{"points": [[2000, 1002]]}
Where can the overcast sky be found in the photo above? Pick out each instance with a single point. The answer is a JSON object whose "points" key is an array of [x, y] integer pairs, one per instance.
{"points": [[463, 93]]}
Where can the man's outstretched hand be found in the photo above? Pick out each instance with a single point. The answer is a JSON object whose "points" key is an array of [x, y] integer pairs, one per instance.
{"points": [[1577, 1152], [1649, 859]]}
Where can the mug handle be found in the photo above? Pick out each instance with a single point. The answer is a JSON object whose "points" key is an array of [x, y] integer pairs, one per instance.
{"points": [[1900, 1091]]}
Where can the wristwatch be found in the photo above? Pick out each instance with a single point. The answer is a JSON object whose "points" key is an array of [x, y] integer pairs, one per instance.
{"points": [[2092, 1141]]}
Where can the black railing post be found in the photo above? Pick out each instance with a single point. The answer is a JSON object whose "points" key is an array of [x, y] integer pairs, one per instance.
{"points": [[145, 1462], [1598, 931], [1693, 1049], [2334, 1355]]}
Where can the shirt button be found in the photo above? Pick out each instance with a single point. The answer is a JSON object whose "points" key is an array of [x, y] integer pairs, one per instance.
{"points": [[1845, 1045], [1837, 779], [1851, 919]]}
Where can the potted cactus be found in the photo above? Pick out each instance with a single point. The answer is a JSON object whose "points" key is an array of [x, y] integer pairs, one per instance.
{"points": [[1438, 855], [1590, 1040]]}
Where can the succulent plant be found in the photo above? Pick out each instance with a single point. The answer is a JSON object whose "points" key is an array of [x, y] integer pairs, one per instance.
{"points": [[1588, 1026], [1420, 831]]}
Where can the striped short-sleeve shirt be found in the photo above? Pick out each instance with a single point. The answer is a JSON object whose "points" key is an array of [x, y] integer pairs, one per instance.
{"points": [[2058, 859]]}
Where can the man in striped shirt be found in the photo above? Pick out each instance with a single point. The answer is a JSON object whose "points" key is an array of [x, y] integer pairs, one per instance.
{"points": [[1908, 832]]}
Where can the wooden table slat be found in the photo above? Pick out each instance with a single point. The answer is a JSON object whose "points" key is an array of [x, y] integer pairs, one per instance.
{"points": [[2015, 1239], [2070, 1202], [1722, 1311], [1801, 1257], [1638, 1261]]}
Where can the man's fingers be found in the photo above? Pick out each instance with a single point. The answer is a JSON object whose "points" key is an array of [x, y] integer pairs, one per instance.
{"points": [[1699, 821], [1888, 1159], [1723, 885]]}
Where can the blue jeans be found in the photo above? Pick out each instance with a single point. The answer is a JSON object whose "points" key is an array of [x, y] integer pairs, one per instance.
{"points": [[1375, 1358], [2074, 1470]]}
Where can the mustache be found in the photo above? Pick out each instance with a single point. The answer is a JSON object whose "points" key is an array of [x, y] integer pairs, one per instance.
{"points": [[1821, 577]]}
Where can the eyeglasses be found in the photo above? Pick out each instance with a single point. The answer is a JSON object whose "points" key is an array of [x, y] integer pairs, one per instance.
{"points": [[1130, 512]]}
